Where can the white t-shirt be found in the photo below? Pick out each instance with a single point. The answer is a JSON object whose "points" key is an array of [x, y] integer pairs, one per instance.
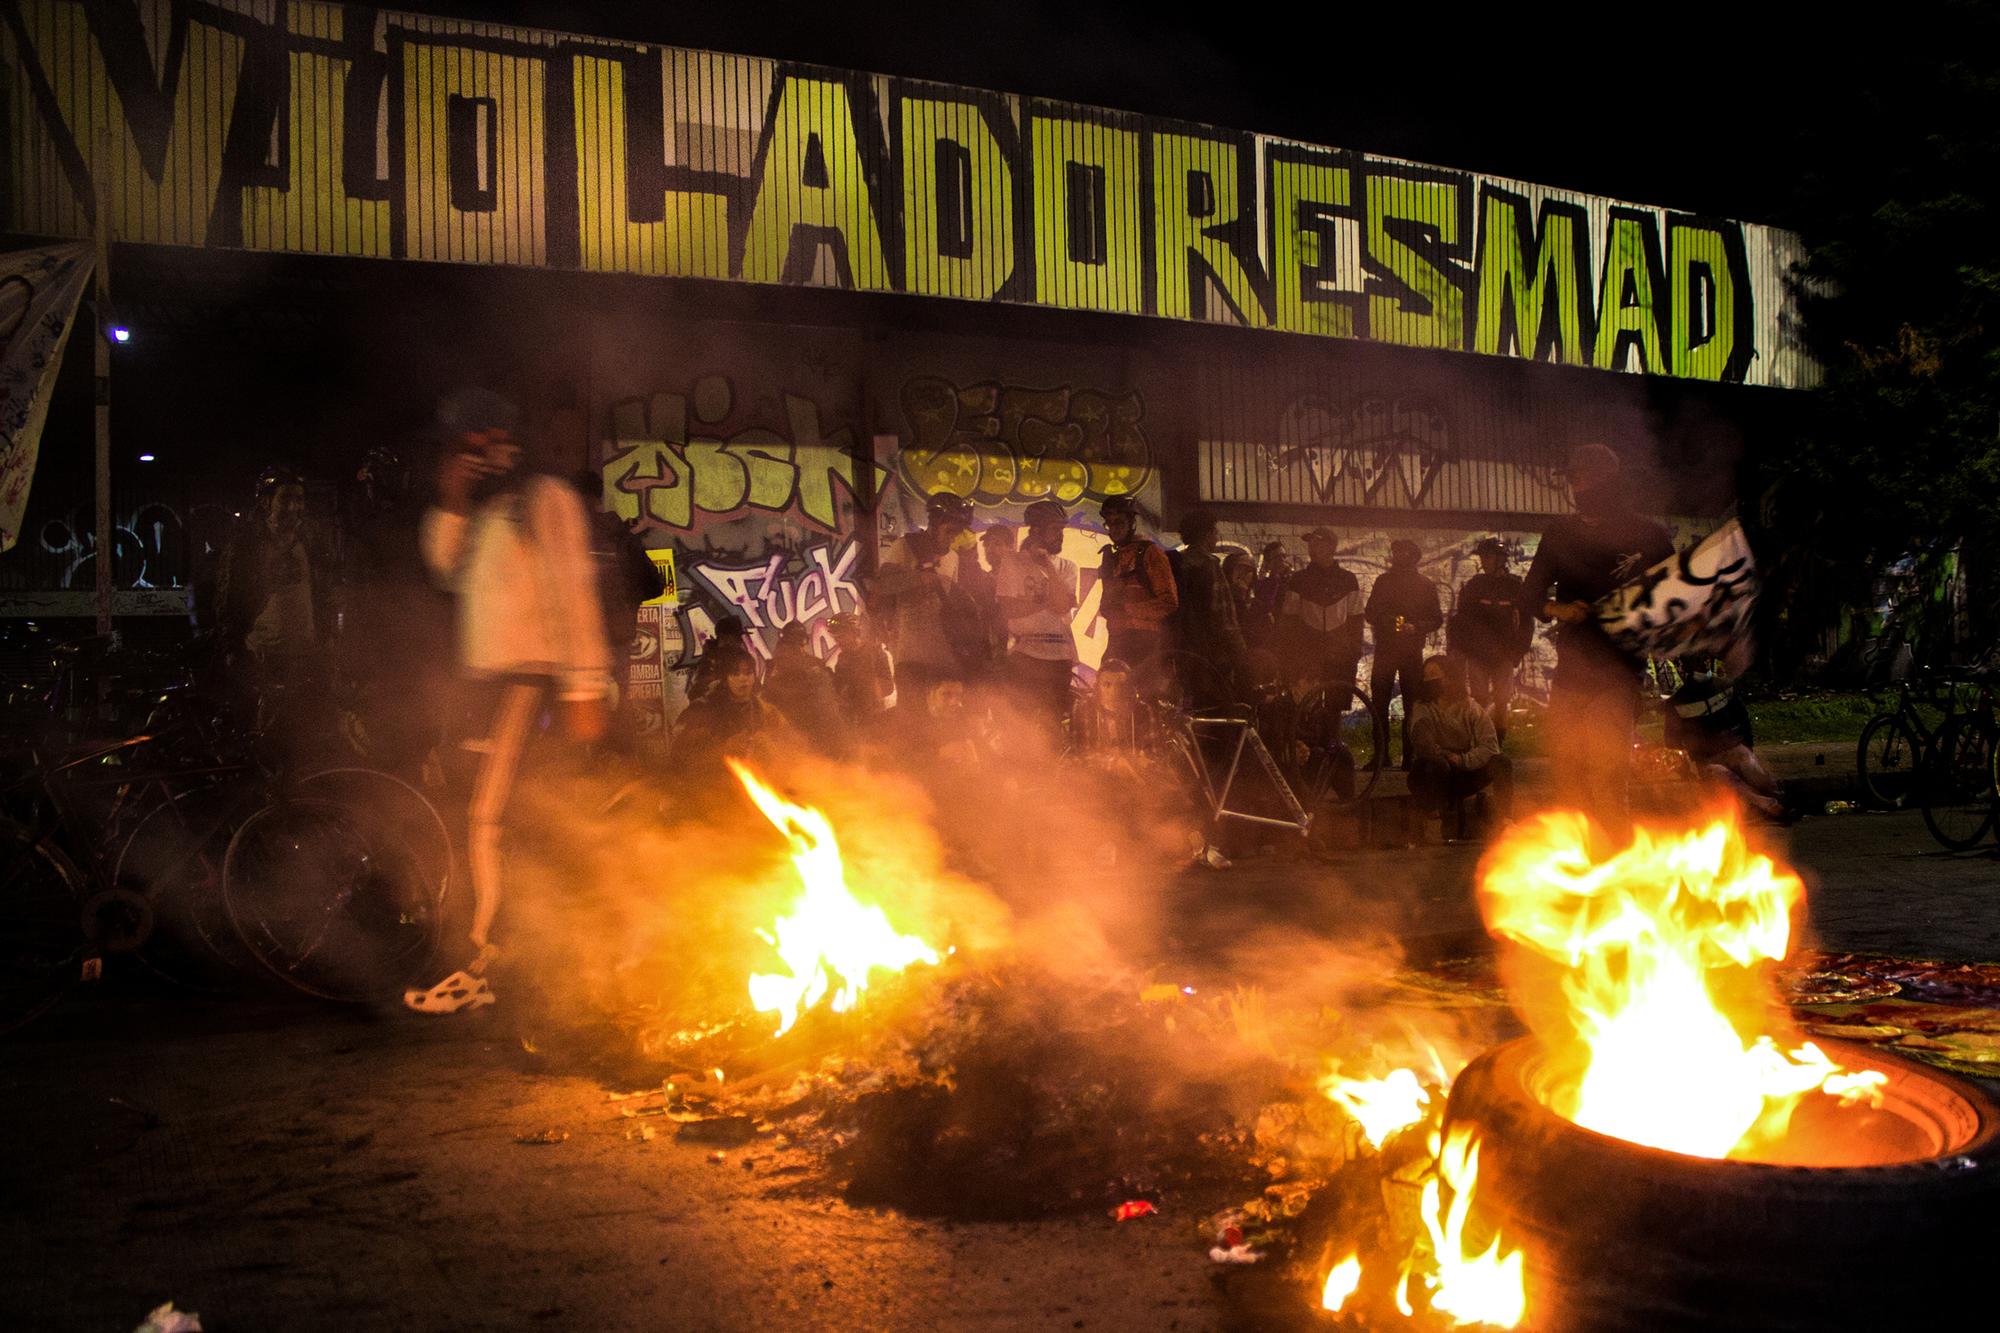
{"points": [[1043, 633]]}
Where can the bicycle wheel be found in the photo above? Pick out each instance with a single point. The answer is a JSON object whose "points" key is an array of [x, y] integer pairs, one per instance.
{"points": [[42, 946], [1181, 680], [1886, 760], [337, 886], [173, 858], [1958, 786], [1340, 762]]}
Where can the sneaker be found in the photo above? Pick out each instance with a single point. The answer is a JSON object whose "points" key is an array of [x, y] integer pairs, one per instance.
{"points": [[457, 992]]}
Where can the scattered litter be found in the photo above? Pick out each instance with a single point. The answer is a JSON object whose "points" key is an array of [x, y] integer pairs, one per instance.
{"points": [[1230, 1239], [166, 1319], [93, 970], [1125, 1212], [640, 1134], [1235, 1254], [528, 1045], [1840, 807], [718, 1157], [727, 1130], [716, 1074], [543, 1136]]}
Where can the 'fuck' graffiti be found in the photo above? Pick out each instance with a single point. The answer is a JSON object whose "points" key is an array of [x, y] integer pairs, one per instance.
{"points": [[786, 590]]}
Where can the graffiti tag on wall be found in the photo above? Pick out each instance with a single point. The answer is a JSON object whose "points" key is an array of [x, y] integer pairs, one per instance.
{"points": [[671, 466], [1364, 442], [1002, 443], [785, 589]]}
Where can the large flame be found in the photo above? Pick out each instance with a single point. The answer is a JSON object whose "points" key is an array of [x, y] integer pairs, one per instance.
{"points": [[1483, 1288], [1381, 1106], [829, 941], [1660, 1027]]}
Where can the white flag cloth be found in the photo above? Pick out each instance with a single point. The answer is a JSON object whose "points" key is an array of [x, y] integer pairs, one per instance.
{"points": [[1696, 601], [39, 292]]}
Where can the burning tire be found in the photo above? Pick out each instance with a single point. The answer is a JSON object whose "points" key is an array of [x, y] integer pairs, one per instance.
{"points": [[1620, 1236]]}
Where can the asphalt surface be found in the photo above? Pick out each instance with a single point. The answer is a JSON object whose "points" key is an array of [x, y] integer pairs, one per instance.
{"points": [[276, 1165]]}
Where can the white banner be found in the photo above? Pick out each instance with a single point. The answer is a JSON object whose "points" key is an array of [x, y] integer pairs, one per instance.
{"points": [[1696, 601], [39, 292]]}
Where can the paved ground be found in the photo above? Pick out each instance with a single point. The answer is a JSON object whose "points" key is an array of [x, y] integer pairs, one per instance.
{"points": [[282, 1167]]}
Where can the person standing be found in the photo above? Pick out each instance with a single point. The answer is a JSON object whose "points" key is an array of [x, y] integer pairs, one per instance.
{"points": [[1490, 632], [1037, 589], [1403, 611], [1140, 596], [627, 579], [273, 607], [514, 546], [1320, 620], [1208, 627], [937, 631], [1594, 700], [395, 634]]}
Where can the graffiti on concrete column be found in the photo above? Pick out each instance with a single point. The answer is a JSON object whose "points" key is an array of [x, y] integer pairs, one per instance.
{"points": [[671, 465], [1000, 443], [787, 588]]}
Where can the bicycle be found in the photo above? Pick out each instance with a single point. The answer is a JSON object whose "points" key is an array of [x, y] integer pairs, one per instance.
{"points": [[1895, 744], [1315, 752], [332, 881], [1960, 785]]}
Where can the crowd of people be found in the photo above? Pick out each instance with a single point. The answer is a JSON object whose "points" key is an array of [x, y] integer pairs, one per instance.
{"points": [[513, 579]]}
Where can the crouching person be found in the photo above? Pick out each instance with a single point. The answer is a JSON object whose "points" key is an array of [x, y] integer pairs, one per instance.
{"points": [[1456, 753]]}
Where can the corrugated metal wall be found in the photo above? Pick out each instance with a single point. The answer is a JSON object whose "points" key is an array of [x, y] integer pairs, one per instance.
{"points": [[301, 126]]}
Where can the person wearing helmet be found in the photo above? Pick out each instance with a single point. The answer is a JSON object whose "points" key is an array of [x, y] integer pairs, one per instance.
{"points": [[1489, 633], [1403, 612], [1140, 595], [1037, 589], [273, 609], [936, 629], [1594, 699], [513, 544]]}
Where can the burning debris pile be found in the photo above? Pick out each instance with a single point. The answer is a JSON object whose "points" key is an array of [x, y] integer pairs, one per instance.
{"points": [[884, 1032]]}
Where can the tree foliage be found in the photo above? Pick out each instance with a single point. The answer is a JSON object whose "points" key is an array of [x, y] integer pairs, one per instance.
{"points": [[1899, 455]]}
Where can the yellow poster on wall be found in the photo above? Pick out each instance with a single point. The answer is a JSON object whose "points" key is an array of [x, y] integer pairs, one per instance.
{"points": [[664, 562]]}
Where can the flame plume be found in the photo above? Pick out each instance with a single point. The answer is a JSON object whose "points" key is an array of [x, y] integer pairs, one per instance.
{"points": [[1655, 951], [830, 941]]}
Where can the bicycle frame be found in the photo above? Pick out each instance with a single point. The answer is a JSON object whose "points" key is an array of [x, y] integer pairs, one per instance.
{"points": [[1246, 740]]}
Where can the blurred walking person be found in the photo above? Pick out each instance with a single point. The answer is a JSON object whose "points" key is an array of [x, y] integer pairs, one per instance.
{"points": [[1594, 700], [514, 546]]}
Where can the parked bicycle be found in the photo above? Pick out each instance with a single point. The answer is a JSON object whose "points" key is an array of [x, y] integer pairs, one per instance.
{"points": [[186, 848], [1935, 745]]}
